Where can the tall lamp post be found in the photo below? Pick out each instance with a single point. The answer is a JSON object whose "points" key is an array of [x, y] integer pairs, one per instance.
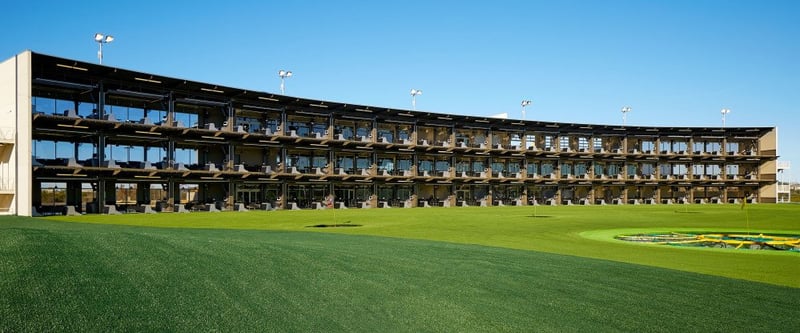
{"points": [[53, 210], [524, 104], [284, 74], [102, 39], [414, 93], [625, 111], [724, 112]]}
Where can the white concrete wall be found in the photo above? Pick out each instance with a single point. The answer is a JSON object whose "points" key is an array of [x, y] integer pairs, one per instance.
{"points": [[768, 145], [15, 133]]}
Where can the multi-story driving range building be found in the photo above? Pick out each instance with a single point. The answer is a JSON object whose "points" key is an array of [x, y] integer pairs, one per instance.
{"points": [[79, 137]]}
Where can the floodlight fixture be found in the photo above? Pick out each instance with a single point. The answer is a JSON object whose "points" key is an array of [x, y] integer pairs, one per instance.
{"points": [[724, 113], [102, 39], [284, 74], [625, 110], [524, 104], [414, 93]]}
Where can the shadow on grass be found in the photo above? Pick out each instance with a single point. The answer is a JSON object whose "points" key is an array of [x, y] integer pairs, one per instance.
{"points": [[338, 225]]}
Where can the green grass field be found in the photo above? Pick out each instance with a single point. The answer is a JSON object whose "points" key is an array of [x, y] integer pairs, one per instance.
{"points": [[458, 269]]}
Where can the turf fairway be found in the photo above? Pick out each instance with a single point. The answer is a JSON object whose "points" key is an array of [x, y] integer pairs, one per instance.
{"points": [[204, 275], [579, 231]]}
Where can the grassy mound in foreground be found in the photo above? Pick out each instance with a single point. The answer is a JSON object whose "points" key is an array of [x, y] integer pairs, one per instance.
{"points": [[81, 277]]}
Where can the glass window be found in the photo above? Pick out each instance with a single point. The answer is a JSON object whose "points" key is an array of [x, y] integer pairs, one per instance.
{"points": [[648, 146], [498, 167], [713, 147], [364, 129], [363, 162], [477, 166], [442, 165], [251, 125], [272, 124], [530, 141], [547, 168], [633, 169], [404, 133], [425, 165], [320, 161], [462, 137], [300, 128], [548, 141], [346, 131], [318, 127], [598, 144], [698, 169], [404, 164], [583, 143], [344, 162], [697, 147], [386, 164], [733, 147], [566, 169], [678, 146], [563, 142], [462, 166], [533, 169], [302, 163], [516, 141], [386, 134], [580, 169], [648, 169], [480, 139]]}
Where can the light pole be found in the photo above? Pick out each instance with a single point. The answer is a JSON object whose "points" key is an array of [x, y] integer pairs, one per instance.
{"points": [[414, 93], [102, 39], [284, 74], [625, 110], [524, 104], [53, 210], [724, 112]]}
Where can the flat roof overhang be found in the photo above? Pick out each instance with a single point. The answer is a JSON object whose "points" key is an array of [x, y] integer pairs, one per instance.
{"points": [[72, 74]]}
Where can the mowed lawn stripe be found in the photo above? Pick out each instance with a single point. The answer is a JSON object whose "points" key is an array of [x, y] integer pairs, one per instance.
{"points": [[561, 230], [58, 276]]}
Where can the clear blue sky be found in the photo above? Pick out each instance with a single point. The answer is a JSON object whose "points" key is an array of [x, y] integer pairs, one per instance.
{"points": [[676, 63]]}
